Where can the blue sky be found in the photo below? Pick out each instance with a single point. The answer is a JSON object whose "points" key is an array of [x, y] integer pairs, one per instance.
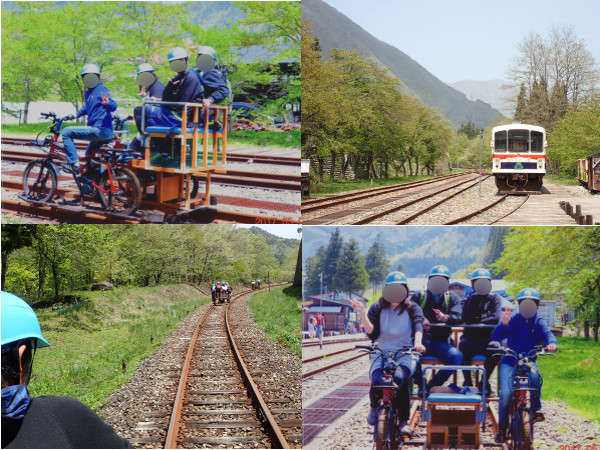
{"points": [[469, 39]]}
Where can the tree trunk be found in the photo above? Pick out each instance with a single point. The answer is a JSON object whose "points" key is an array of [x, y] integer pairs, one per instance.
{"points": [[55, 278], [416, 165], [41, 277], [4, 268], [597, 324], [320, 169], [410, 170], [345, 166], [298, 274], [586, 329], [332, 172]]}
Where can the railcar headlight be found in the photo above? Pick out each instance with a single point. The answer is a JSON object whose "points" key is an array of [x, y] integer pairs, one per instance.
{"points": [[540, 163], [496, 163]]}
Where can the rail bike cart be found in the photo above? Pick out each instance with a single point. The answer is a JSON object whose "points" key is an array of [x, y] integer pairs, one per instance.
{"points": [[588, 172], [454, 419], [222, 295], [174, 157]]}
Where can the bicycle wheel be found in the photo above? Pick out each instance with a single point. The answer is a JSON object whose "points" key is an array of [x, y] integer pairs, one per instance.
{"points": [[126, 193], [383, 421], [39, 181], [524, 430]]}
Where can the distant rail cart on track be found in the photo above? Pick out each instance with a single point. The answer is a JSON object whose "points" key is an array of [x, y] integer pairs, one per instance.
{"points": [[588, 172], [519, 158]]}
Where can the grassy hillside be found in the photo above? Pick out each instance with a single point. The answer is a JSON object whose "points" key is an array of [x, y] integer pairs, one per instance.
{"points": [[91, 340], [278, 312], [336, 30]]}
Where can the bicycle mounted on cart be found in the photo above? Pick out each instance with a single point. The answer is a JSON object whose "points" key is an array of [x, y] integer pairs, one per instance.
{"points": [[102, 178]]}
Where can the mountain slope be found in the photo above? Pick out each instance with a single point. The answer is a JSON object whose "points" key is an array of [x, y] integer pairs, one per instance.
{"points": [[489, 91], [416, 248], [336, 30]]}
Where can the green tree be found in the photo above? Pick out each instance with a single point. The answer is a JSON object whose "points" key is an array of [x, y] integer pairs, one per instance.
{"points": [[351, 274], [332, 255], [377, 263]]}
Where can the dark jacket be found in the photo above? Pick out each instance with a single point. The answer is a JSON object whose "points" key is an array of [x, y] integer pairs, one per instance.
{"points": [[184, 87], [523, 334], [449, 303], [485, 309], [214, 84], [98, 114], [59, 422], [156, 89], [414, 311]]}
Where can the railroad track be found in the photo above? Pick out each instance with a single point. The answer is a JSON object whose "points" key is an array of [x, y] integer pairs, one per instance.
{"points": [[339, 199], [232, 177], [429, 192], [326, 355], [239, 157], [337, 341], [218, 403], [91, 214], [326, 367]]}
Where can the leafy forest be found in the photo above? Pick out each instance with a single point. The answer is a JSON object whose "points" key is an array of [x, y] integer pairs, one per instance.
{"points": [[45, 263], [359, 123], [43, 63]]}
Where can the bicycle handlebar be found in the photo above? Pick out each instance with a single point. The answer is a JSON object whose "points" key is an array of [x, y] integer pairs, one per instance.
{"points": [[538, 350]]}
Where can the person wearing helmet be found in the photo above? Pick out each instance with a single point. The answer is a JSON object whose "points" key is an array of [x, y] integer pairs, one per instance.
{"points": [[213, 80], [98, 108], [213, 289], [45, 421], [524, 331], [440, 306], [481, 307], [184, 86], [393, 322], [151, 88]]}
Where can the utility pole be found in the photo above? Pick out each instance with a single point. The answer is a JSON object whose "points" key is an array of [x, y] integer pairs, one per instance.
{"points": [[321, 310], [480, 151]]}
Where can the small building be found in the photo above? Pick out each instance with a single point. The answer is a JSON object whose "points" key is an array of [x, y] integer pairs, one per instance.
{"points": [[335, 307]]}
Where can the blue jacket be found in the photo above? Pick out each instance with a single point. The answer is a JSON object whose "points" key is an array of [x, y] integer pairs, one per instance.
{"points": [[156, 89], [184, 87], [523, 334], [98, 115], [214, 84]]}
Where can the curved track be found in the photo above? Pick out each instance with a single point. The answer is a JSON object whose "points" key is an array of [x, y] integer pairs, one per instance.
{"points": [[218, 403]]}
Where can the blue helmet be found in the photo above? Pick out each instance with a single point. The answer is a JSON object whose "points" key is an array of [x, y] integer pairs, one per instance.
{"points": [[177, 53], [481, 273], [90, 68], [144, 67], [206, 50], [19, 321], [529, 293], [395, 277], [440, 270]]}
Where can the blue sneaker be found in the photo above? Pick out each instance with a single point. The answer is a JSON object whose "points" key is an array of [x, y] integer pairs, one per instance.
{"points": [[70, 167], [372, 417]]}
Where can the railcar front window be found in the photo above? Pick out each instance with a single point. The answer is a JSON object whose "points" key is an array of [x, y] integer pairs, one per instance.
{"points": [[500, 141], [518, 141], [537, 142]]}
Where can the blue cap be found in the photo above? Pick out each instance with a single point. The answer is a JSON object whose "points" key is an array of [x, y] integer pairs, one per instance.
{"points": [[439, 270], [177, 53], [90, 68], [481, 273], [19, 321], [529, 293], [396, 277], [144, 67]]}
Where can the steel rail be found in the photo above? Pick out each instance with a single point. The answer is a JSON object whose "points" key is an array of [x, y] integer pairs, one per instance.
{"points": [[339, 341], [366, 193], [511, 212], [277, 437], [174, 421], [393, 209], [436, 204], [310, 373], [326, 355], [475, 213]]}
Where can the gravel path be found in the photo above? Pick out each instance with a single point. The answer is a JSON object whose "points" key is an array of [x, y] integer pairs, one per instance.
{"points": [[275, 369]]}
